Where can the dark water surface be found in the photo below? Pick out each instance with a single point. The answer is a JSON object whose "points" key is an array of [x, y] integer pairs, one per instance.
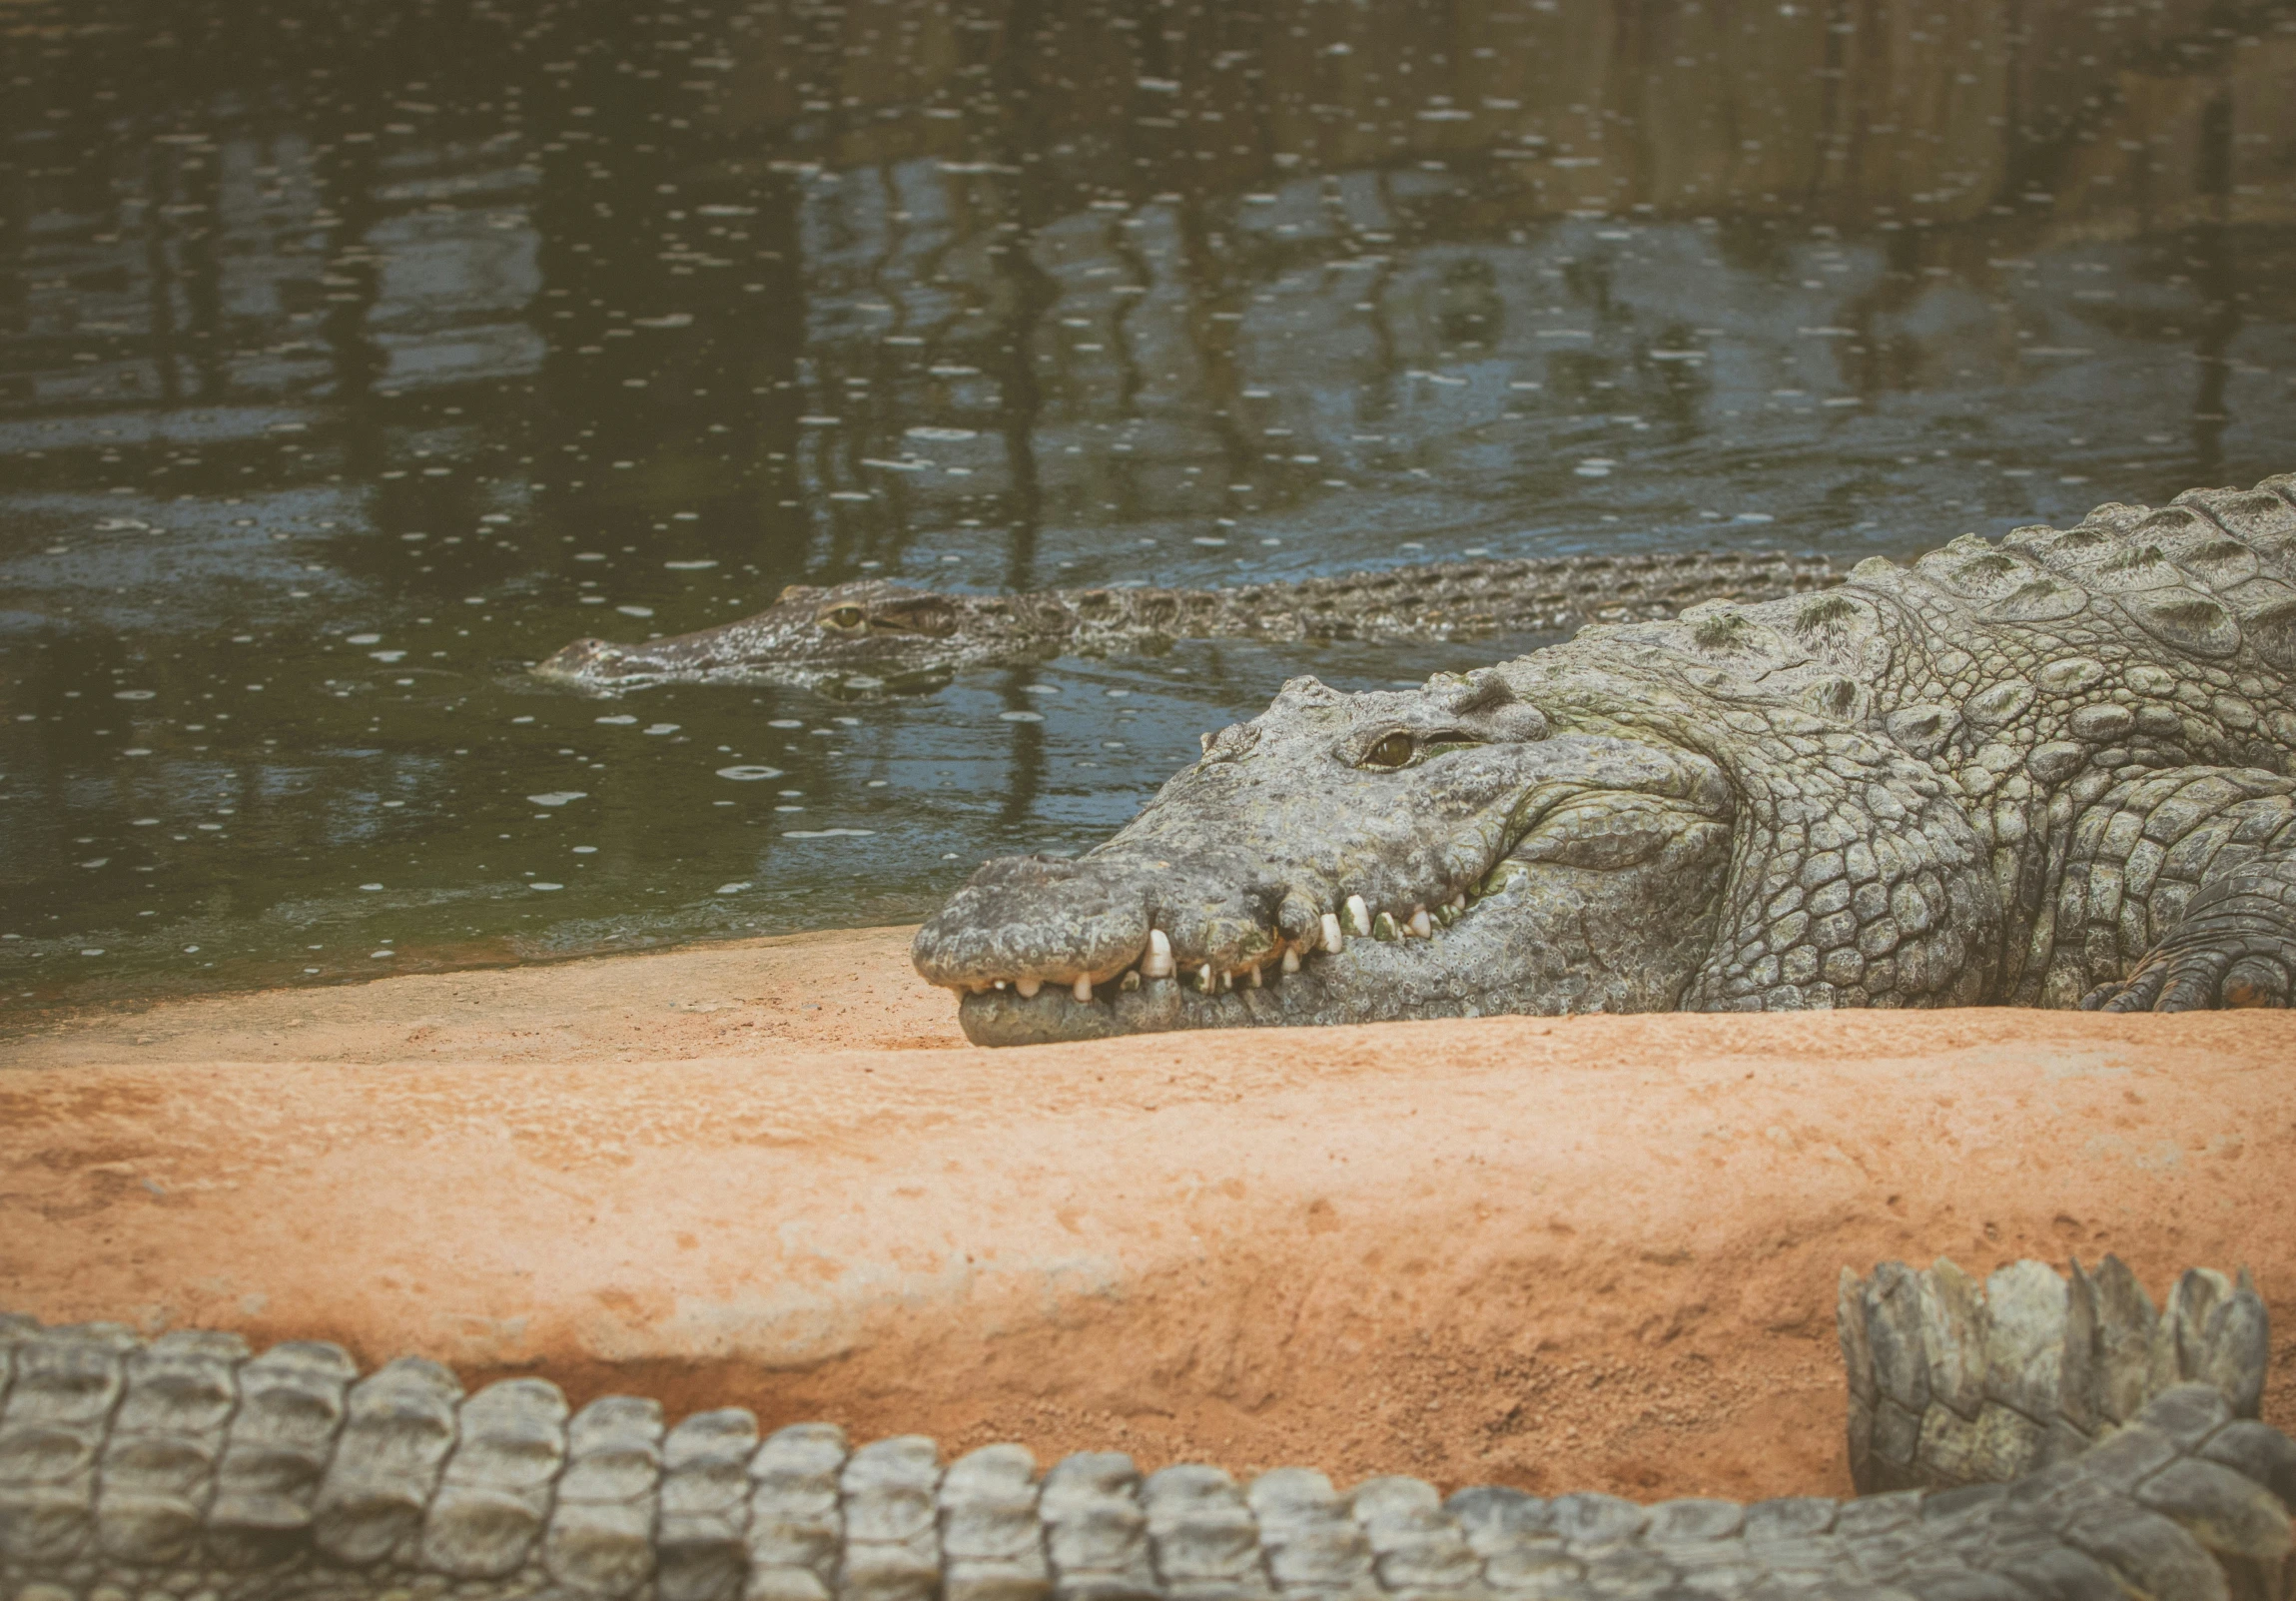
{"points": [[353, 355]]}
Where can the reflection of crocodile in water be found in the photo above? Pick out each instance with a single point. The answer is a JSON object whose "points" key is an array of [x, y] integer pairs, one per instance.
{"points": [[2053, 770], [2126, 1440], [875, 635]]}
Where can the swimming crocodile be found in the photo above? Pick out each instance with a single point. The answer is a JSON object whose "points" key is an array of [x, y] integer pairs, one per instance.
{"points": [[875, 635], [186, 1467], [2048, 770]]}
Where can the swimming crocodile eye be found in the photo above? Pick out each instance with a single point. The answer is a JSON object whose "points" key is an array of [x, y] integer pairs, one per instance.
{"points": [[1391, 752], [846, 617]]}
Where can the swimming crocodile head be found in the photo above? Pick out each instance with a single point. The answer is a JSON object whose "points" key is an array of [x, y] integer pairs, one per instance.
{"points": [[1354, 857], [869, 635]]}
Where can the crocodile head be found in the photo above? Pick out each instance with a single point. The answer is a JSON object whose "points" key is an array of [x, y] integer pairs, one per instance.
{"points": [[1358, 857], [869, 635]]}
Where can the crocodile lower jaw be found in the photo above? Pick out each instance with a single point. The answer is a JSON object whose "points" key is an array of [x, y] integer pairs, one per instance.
{"points": [[1154, 1006]]}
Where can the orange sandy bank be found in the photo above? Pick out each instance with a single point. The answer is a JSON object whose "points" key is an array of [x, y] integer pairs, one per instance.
{"points": [[1591, 1253]]}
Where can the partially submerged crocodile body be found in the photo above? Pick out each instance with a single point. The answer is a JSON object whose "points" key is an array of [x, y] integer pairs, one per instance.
{"points": [[2052, 770], [875, 635], [2042, 1440]]}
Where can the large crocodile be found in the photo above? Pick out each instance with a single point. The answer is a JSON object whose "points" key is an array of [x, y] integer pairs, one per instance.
{"points": [[2092, 1447], [875, 635], [2050, 770]]}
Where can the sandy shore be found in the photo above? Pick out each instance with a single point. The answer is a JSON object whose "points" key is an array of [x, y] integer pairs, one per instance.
{"points": [[1590, 1253]]}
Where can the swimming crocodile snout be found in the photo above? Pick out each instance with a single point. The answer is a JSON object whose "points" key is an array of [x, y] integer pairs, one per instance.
{"points": [[581, 658]]}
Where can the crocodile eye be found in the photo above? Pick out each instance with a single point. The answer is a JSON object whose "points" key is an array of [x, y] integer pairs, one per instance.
{"points": [[846, 617], [1391, 752]]}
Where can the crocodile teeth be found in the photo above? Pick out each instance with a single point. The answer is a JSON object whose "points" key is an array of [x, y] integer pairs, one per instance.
{"points": [[1419, 923], [1157, 963], [1131, 981], [1290, 959], [1028, 987], [1203, 978], [1460, 902], [1356, 916], [1383, 927], [1252, 977], [1082, 990], [1332, 940]]}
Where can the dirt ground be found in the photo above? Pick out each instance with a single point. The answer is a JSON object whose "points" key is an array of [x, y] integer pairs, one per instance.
{"points": [[1594, 1253]]}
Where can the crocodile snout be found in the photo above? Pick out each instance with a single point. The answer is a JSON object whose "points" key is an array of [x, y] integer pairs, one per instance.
{"points": [[1040, 948], [1034, 920], [583, 659], [602, 665]]}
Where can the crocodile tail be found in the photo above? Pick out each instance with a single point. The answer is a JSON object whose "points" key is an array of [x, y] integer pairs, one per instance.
{"points": [[183, 1464], [1954, 1382]]}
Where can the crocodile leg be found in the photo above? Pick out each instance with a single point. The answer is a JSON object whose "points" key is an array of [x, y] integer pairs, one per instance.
{"points": [[2234, 946], [2180, 893]]}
